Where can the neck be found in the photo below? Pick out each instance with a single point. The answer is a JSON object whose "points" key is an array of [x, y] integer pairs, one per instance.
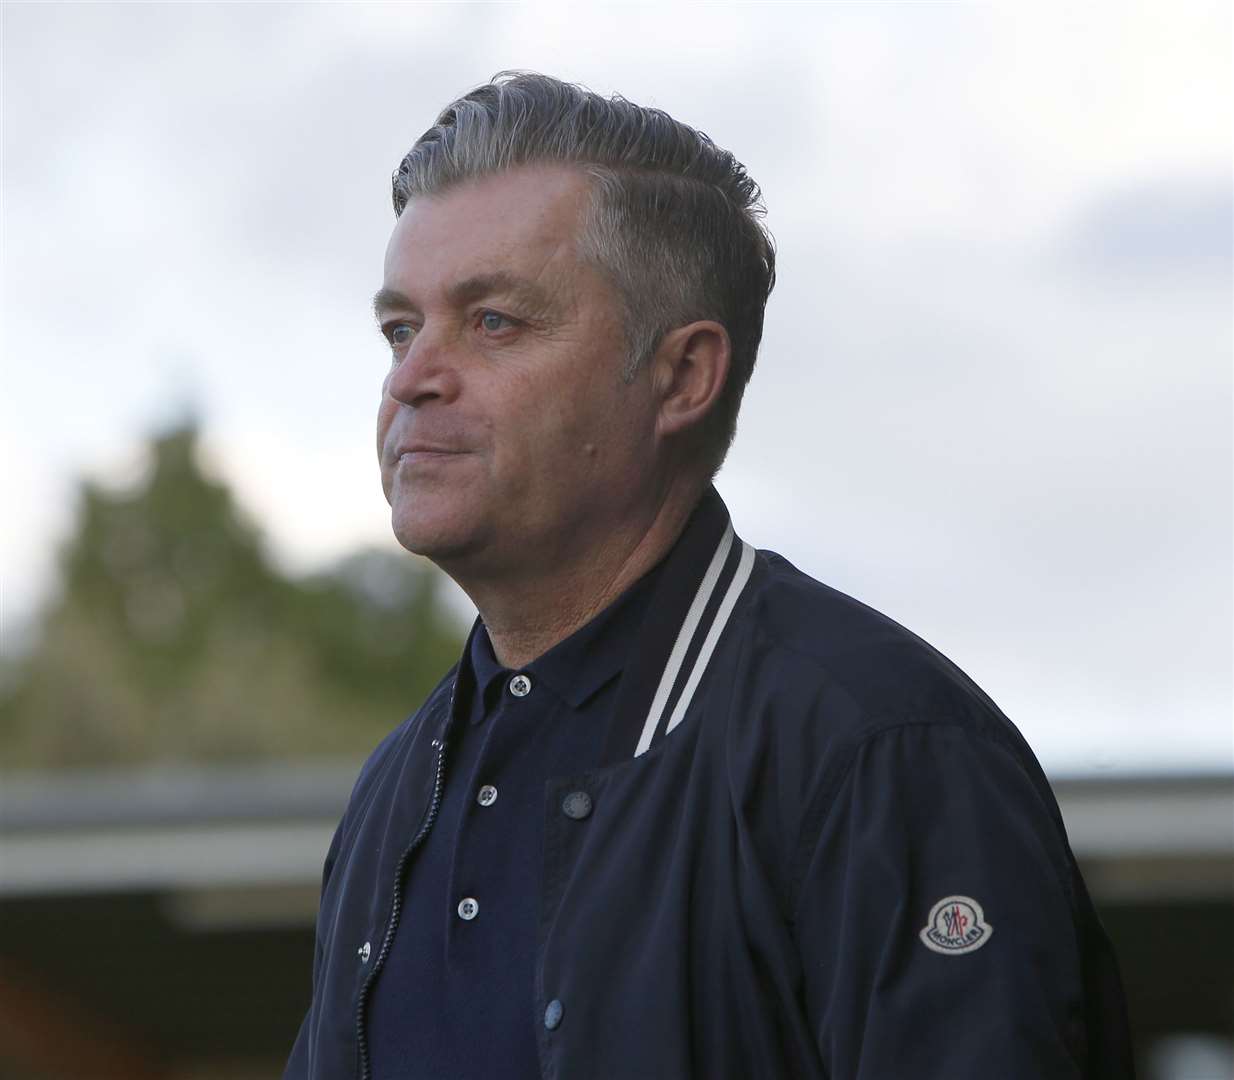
{"points": [[528, 612]]}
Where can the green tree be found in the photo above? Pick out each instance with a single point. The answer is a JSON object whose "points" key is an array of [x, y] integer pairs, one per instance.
{"points": [[173, 637]]}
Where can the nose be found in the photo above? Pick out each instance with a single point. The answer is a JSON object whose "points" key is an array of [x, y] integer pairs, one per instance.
{"points": [[426, 372]]}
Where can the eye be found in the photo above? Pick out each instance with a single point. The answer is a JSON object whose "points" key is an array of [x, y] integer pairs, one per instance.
{"points": [[400, 334], [494, 322]]}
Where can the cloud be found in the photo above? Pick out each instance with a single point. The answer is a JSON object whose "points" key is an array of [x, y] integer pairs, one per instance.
{"points": [[1167, 225]]}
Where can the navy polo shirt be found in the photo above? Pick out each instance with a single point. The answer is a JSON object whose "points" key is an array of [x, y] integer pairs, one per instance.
{"points": [[456, 995]]}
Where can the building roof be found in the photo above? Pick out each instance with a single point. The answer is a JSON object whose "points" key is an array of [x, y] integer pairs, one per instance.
{"points": [[268, 827]]}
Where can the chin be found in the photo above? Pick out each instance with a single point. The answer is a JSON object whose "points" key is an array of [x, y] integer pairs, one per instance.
{"points": [[441, 538], [427, 519], [418, 538]]}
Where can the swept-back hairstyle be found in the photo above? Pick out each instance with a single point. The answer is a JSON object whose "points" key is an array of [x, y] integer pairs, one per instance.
{"points": [[675, 222]]}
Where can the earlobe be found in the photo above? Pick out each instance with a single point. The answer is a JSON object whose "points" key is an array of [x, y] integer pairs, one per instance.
{"points": [[691, 368]]}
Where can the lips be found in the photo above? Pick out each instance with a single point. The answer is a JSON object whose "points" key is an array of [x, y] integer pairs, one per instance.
{"points": [[426, 450], [422, 453], [407, 446]]}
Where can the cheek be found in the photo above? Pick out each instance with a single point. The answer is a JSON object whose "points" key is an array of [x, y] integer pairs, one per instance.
{"points": [[596, 433], [574, 427], [385, 416]]}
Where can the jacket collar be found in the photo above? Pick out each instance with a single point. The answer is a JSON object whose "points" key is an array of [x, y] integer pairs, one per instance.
{"points": [[704, 575]]}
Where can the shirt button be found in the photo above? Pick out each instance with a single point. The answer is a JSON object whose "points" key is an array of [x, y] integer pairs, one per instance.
{"points": [[576, 805], [520, 686], [487, 796], [552, 1015], [364, 951], [468, 908]]}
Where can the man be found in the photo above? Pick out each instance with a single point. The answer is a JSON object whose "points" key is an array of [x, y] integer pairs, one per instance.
{"points": [[680, 811]]}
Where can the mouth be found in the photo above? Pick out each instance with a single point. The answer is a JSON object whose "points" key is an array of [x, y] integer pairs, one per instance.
{"points": [[412, 455]]}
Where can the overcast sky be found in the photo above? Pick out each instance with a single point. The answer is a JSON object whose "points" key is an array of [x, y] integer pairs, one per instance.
{"points": [[994, 395]]}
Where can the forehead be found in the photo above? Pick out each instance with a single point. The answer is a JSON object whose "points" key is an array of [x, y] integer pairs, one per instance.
{"points": [[525, 221]]}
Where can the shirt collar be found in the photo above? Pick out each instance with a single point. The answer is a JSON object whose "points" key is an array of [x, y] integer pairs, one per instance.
{"points": [[484, 668], [578, 667]]}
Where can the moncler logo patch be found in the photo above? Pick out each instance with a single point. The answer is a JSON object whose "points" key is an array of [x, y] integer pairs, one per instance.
{"points": [[957, 925]]}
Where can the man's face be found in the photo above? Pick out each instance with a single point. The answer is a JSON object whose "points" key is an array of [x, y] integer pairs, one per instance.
{"points": [[506, 434]]}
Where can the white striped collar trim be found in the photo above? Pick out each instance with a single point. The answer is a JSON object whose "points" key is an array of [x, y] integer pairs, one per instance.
{"points": [[692, 626]]}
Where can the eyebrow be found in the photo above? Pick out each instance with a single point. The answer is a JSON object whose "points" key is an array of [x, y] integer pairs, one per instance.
{"points": [[469, 289]]}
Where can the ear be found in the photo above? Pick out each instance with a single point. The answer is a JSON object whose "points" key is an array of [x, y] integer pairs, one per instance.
{"points": [[688, 375]]}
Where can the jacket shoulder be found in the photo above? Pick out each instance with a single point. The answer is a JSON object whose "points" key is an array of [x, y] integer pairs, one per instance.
{"points": [[810, 642], [825, 683]]}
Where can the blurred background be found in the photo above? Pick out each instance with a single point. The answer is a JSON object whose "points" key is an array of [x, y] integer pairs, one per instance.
{"points": [[993, 401]]}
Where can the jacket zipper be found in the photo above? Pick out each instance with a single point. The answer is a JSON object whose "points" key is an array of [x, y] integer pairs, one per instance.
{"points": [[396, 907]]}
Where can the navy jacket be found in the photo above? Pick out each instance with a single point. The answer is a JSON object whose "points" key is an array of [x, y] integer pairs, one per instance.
{"points": [[816, 849]]}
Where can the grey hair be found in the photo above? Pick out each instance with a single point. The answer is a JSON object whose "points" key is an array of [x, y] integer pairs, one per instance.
{"points": [[675, 222]]}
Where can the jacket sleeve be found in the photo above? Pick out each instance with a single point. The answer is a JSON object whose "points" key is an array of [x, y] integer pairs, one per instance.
{"points": [[935, 915]]}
